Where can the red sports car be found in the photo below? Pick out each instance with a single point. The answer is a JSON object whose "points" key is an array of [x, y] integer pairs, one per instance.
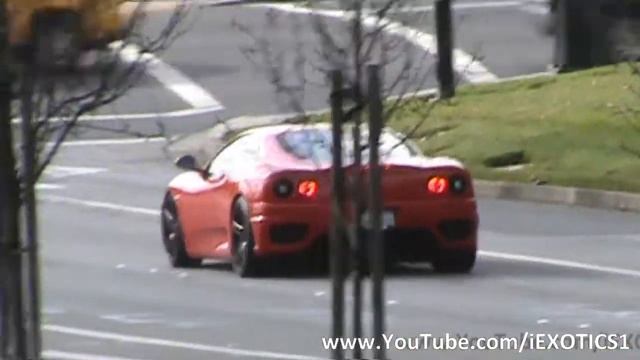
{"points": [[266, 194]]}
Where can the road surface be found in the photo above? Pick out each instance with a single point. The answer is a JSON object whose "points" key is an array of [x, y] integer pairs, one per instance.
{"points": [[110, 294]]}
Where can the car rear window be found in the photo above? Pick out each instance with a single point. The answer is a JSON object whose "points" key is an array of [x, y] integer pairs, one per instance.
{"points": [[316, 144]]}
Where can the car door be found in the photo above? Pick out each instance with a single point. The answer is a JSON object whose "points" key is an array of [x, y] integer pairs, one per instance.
{"points": [[199, 205], [223, 176]]}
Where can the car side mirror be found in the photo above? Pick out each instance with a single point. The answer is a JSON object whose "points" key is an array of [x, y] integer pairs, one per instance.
{"points": [[188, 162]]}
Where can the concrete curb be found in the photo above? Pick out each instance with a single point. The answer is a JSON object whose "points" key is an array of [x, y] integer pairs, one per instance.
{"points": [[609, 200]]}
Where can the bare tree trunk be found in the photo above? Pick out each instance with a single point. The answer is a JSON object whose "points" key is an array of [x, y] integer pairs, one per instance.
{"points": [[12, 340], [32, 286], [357, 192]]}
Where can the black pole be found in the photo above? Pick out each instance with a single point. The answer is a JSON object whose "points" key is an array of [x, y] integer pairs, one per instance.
{"points": [[574, 47], [356, 233], [444, 32], [32, 288], [375, 204], [337, 248], [357, 246]]}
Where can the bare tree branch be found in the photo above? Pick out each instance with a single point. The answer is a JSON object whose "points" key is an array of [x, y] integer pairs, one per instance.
{"points": [[59, 101]]}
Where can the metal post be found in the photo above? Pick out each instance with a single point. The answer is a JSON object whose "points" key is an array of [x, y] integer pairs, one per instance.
{"points": [[574, 47], [337, 246], [32, 287], [357, 245], [377, 260], [444, 31]]}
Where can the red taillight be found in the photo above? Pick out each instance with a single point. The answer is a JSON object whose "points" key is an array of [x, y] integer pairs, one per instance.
{"points": [[308, 188], [438, 185]]}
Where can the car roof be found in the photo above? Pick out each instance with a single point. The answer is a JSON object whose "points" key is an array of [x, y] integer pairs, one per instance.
{"points": [[272, 130]]}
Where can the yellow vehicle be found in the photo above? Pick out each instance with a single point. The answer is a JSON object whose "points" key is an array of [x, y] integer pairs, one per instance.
{"points": [[59, 30]]}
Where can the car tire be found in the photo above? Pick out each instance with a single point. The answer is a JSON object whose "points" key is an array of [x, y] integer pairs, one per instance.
{"points": [[243, 262], [173, 238], [454, 262]]}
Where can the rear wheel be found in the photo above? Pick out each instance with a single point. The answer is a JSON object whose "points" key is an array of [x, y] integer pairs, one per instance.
{"points": [[456, 262], [173, 238], [244, 262]]}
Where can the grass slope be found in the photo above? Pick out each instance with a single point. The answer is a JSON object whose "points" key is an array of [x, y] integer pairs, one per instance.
{"points": [[579, 129]]}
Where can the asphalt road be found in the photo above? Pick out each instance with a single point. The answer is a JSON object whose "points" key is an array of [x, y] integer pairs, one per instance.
{"points": [[214, 57], [109, 289], [110, 294]]}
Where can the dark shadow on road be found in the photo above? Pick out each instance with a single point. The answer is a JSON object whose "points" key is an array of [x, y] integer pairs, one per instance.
{"points": [[486, 268]]}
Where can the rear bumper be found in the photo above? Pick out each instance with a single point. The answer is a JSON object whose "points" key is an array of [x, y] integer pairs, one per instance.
{"points": [[421, 228]]}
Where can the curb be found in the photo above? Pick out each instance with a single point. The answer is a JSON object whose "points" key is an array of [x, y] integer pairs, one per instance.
{"points": [[590, 198]]}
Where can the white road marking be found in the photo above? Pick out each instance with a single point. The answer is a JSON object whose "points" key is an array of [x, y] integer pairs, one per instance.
{"points": [[561, 263], [464, 64], [141, 116], [46, 186], [491, 254], [174, 344], [201, 100], [584, 326], [624, 314], [59, 172], [113, 141], [171, 78], [536, 9], [100, 205], [208, 110], [63, 355], [543, 321], [155, 116], [460, 6], [132, 319], [53, 311]]}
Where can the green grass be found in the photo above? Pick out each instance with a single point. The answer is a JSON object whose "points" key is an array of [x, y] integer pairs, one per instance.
{"points": [[579, 129]]}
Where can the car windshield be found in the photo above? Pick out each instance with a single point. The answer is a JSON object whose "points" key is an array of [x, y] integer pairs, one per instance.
{"points": [[316, 143]]}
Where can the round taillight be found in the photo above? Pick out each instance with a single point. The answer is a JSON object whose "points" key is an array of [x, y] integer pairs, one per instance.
{"points": [[308, 188], [438, 185], [283, 188]]}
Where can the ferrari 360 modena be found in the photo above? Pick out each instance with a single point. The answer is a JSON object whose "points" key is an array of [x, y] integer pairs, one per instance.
{"points": [[266, 195]]}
